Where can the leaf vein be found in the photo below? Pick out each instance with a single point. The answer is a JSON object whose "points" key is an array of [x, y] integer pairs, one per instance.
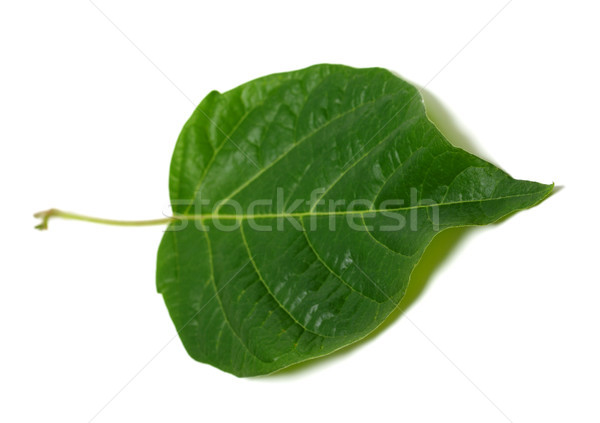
{"points": [[260, 277], [295, 145], [320, 259], [218, 297]]}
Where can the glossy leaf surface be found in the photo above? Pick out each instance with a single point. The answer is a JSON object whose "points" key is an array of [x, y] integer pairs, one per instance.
{"points": [[331, 183]]}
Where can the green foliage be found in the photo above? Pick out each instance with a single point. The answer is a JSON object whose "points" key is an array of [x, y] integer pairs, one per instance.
{"points": [[354, 181]]}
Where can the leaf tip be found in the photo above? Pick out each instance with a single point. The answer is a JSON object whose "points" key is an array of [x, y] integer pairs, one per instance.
{"points": [[552, 189]]}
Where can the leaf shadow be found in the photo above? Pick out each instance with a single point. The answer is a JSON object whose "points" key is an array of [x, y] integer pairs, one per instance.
{"points": [[436, 254]]}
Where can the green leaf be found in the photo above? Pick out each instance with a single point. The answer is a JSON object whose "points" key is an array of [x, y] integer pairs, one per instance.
{"points": [[354, 181]]}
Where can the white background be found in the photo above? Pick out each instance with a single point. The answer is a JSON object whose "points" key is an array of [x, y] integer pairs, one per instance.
{"points": [[506, 325]]}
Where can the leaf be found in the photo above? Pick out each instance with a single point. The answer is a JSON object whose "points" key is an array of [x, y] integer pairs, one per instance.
{"points": [[251, 301]]}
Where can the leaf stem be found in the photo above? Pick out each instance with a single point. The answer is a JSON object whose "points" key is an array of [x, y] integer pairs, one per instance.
{"points": [[51, 213]]}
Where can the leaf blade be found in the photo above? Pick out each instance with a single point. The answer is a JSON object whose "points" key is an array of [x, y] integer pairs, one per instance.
{"points": [[250, 301]]}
